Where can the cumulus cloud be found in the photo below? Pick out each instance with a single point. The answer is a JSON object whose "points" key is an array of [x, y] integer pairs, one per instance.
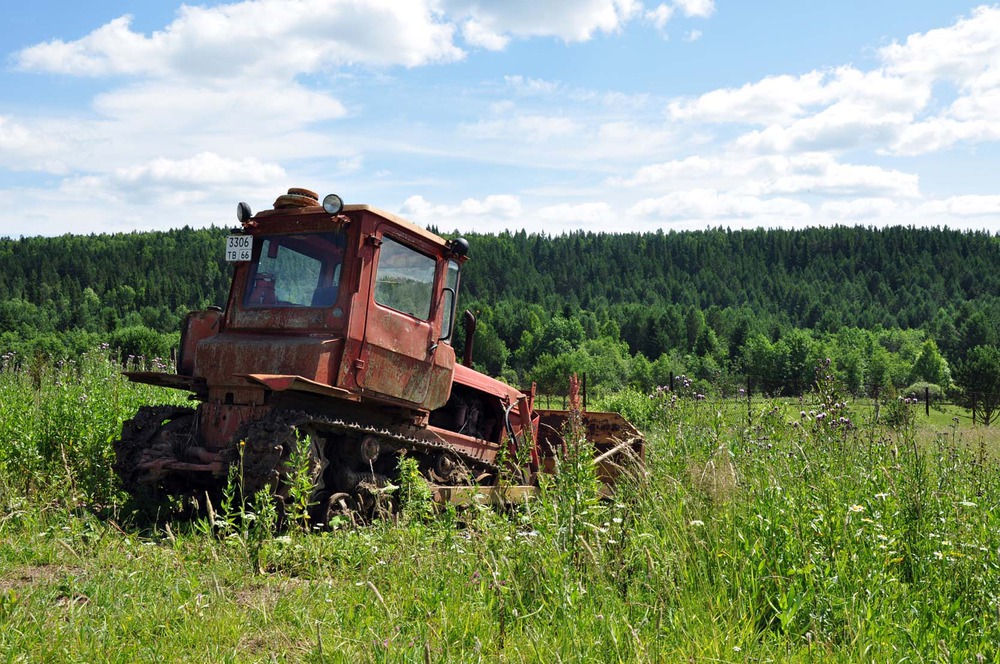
{"points": [[172, 182], [275, 37], [569, 20], [700, 8], [660, 15], [859, 210], [709, 206], [492, 213], [892, 108], [962, 207], [476, 34], [30, 147], [568, 215], [203, 169], [228, 108], [808, 173], [256, 38]]}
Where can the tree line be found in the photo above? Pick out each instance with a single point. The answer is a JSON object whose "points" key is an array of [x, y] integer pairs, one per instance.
{"points": [[892, 306]]}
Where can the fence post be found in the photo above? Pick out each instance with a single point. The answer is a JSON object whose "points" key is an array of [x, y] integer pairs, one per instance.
{"points": [[749, 408], [973, 407], [927, 401]]}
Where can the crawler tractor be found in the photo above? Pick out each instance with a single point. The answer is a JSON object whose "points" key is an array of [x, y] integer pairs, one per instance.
{"points": [[337, 335]]}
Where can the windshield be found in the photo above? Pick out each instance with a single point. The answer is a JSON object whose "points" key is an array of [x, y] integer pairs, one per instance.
{"points": [[301, 270]]}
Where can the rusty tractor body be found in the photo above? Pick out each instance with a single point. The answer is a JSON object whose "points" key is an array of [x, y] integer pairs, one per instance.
{"points": [[337, 335]]}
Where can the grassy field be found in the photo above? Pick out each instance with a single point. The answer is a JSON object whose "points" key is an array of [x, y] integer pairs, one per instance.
{"points": [[782, 536]]}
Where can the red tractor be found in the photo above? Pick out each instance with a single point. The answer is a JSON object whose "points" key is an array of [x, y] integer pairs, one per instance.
{"points": [[337, 335]]}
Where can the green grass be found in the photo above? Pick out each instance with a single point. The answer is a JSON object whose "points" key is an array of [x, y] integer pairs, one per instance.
{"points": [[783, 540]]}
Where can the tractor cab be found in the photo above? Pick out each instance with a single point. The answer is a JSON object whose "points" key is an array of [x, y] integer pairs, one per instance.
{"points": [[348, 297]]}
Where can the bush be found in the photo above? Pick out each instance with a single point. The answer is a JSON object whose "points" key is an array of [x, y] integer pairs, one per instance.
{"points": [[919, 389], [141, 341]]}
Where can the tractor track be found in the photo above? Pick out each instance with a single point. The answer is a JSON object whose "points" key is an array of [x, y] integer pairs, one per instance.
{"points": [[260, 447]]}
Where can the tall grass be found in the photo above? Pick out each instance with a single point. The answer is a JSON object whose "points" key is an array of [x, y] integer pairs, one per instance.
{"points": [[781, 535], [57, 423]]}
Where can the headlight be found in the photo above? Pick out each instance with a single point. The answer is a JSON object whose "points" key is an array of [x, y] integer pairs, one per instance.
{"points": [[333, 204]]}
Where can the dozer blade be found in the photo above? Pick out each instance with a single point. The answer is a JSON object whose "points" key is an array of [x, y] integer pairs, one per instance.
{"points": [[618, 445]]}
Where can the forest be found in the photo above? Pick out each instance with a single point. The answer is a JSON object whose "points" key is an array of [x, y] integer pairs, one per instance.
{"points": [[893, 307]]}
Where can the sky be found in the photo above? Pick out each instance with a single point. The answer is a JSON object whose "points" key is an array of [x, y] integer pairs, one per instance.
{"points": [[490, 115]]}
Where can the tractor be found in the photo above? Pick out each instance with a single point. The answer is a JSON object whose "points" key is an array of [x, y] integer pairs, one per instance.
{"points": [[337, 335]]}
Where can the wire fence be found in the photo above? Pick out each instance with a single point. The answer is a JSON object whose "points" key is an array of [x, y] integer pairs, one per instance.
{"points": [[980, 407]]}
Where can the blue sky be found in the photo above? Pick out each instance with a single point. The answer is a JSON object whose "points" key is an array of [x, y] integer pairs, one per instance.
{"points": [[485, 115]]}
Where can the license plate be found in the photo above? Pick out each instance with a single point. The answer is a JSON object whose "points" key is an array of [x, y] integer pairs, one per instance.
{"points": [[239, 248]]}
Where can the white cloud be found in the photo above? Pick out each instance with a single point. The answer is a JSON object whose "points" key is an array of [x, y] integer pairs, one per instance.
{"points": [[962, 206], [809, 173], [490, 214], [660, 15], [964, 52], [217, 107], [273, 38], [699, 8], [569, 20], [715, 207], [203, 169], [476, 34], [566, 215], [889, 109], [773, 99], [858, 210], [30, 148], [169, 183], [524, 85]]}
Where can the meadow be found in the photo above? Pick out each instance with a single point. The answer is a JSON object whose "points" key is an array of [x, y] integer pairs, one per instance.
{"points": [[763, 530]]}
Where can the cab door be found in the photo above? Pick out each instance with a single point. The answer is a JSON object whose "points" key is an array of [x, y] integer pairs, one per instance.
{"points": [[401, 354]]}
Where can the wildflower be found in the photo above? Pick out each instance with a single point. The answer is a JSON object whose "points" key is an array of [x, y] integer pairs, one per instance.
{"points": [[939, 555], [881, 496], [856, 508], [697, 522], [967, 503]]}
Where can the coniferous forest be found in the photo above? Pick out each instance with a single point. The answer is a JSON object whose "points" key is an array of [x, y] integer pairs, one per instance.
{"points": [[892, 307]]}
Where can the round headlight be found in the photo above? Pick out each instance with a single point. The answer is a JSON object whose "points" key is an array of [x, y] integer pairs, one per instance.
{"points": [[243, 212], [333, 204]]}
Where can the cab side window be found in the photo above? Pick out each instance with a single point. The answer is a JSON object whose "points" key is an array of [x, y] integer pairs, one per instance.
{"points": [[404, 280]]}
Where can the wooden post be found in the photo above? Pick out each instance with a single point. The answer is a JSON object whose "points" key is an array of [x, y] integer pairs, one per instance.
{"points": [[927, 401]]}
